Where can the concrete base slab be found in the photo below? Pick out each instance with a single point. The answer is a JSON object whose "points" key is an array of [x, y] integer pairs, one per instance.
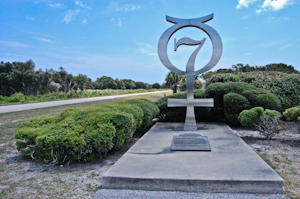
{"points": [[231, 166]]}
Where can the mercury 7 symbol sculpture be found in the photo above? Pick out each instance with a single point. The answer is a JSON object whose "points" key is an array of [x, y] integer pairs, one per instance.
{"points": [[190, 73]]}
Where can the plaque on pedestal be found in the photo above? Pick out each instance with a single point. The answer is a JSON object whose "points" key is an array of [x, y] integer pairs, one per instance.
{"points": [[190, 142]]}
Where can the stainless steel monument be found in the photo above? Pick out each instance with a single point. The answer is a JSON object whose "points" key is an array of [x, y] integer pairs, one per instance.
{"points": [[190, 73]]}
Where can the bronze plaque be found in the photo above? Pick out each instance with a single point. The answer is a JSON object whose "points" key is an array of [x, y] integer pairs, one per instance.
{"points": [[190, 142]]}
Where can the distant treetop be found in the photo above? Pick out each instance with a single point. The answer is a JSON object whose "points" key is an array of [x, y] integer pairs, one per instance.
{"points": [[247, 68]]}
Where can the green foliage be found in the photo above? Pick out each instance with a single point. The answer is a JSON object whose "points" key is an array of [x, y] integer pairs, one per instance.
{"points": [[66, 133], [248, 117], [241, 68], [266, 122], [234, 104], [123, 122], [149, 109], [263, 98], [177, 114], [82, 135], [172, 81], [39, 121], [292, 114], [218, 90], [66, 113], [268, 101], [135, 110], [284, 86], [20, 98]]}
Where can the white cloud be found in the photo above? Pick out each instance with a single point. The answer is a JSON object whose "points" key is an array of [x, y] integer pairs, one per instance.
{"points": [[84, 21], [245, 17], [274, 5], [244, 3], [146, 49], [116, 21], [286, 46], [274, 19], [55, 5], [248, 53], [30, 18], [79, 3], [71, 14], [14, 44], [43, 39], [129, 7]]}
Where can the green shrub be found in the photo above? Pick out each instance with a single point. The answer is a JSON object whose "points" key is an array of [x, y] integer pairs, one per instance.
{"points": [[27, 133], [234, 104], [13, 99], [123, 123], [177, 114], [135, 110], [266, 122], [218, 90], [65, 133], [285, 86], [66, 113], [39, 121], [251, 95], [61, 95], [149, 109], [268, 101], [248, 117], [292, 114], [83, 135]]}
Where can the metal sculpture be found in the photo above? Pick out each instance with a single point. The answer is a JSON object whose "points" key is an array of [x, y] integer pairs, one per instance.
{"points": [[190, 73]]}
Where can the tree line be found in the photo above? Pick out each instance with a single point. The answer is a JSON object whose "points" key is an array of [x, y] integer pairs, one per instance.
{"points": [[238, 68], [21, 77]]}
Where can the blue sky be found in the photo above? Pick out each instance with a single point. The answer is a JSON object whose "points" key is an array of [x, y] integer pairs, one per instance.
{"points": [[119, 38]]}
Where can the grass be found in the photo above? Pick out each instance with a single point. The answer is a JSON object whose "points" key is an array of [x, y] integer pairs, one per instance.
{"points": [[283, 159], [19, 98], [23, 178]]}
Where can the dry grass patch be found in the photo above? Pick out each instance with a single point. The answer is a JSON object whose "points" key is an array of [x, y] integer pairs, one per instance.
{"points": [[282, 153]]}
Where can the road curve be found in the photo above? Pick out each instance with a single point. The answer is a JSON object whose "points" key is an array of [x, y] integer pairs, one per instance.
{"points": [[23, 107]]}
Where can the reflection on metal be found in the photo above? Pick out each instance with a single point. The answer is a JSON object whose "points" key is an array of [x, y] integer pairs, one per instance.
{"points": [[190, 102]]}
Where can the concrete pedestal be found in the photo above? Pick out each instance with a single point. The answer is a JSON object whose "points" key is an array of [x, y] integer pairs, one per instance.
{"points": [[231, 166]]}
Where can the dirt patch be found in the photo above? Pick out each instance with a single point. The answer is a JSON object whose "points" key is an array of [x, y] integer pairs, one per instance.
{"points": [[282, 153], [24, 178]]}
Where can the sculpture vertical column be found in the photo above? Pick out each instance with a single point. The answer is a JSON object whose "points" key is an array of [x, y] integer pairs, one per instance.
{"points": [[190, 73]]}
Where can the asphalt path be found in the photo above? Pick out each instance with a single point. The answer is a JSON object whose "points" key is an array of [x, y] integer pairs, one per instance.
{"points": [[23, 107]]}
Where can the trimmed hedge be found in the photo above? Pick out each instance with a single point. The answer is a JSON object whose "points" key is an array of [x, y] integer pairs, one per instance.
{"points": [[149, 108], [83, 135], [242, 96], [286, 87], [234, 104], [266, 122], [177, 114], [247, 117], [292, 114]]}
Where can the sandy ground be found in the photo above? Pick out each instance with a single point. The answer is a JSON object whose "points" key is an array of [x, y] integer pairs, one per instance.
{"points": [[24, 178]]}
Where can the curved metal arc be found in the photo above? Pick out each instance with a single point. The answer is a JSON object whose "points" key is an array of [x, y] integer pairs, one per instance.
{"points": [[182, 23], [200, 19], [185, 41], [217, 48], [190, 66]]}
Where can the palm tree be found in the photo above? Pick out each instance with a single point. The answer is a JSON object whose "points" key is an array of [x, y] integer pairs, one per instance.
{"points": [[172, 81]]}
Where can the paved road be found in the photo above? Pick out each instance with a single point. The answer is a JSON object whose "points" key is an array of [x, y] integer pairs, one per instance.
{"points": [[23, 107]]}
